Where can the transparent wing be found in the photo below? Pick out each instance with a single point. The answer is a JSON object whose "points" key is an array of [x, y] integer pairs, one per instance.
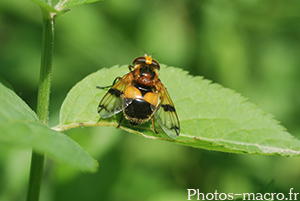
{"points": [[114, 100], [166, 114]]}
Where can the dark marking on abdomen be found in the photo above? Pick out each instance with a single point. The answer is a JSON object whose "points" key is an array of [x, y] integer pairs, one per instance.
{"points": [[138, 111]]}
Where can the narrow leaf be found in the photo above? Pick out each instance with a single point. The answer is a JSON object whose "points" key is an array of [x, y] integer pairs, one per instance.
{"points": [[211, 117], [66, 4], [62, 6], [20, 127]]}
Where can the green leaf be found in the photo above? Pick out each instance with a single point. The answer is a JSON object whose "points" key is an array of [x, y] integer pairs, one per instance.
{"points": [[62, 6], [211, 117], [20, 127], [66, 4]]}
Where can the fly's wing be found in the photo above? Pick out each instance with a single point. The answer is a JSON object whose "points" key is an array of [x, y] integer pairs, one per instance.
{"points": [[166, 114], [114, 100]]}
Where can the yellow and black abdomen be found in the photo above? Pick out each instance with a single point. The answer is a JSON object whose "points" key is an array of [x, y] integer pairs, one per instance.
{"points": [[143, 102]]}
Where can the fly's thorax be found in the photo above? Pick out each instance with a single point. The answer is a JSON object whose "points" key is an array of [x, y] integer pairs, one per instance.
{"points": [[145, 74]]}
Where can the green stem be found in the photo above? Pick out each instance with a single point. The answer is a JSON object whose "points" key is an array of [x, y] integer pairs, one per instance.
{"points": [[37, 160]]}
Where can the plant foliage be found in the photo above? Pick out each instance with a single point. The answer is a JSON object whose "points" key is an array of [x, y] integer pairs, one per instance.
{"points": [[211, 116], [20, 127]]}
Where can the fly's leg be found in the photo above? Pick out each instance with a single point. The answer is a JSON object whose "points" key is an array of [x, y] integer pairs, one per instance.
{"points": [[121, 120], [117, 79], [152, 118]]}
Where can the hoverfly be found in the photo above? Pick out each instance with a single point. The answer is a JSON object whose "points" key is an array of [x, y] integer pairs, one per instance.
{"points": [[141, 96]]}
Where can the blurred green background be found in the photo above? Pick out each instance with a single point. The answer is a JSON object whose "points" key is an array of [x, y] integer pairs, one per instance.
{"points": [[251, 46]]}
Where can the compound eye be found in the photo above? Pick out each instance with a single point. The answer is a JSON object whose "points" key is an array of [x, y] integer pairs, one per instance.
{"points": [[156, 64], [146, 60], [139, 60]]}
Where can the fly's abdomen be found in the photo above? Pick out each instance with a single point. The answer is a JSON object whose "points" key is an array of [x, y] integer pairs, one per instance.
{"points": [[139, 111]]}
